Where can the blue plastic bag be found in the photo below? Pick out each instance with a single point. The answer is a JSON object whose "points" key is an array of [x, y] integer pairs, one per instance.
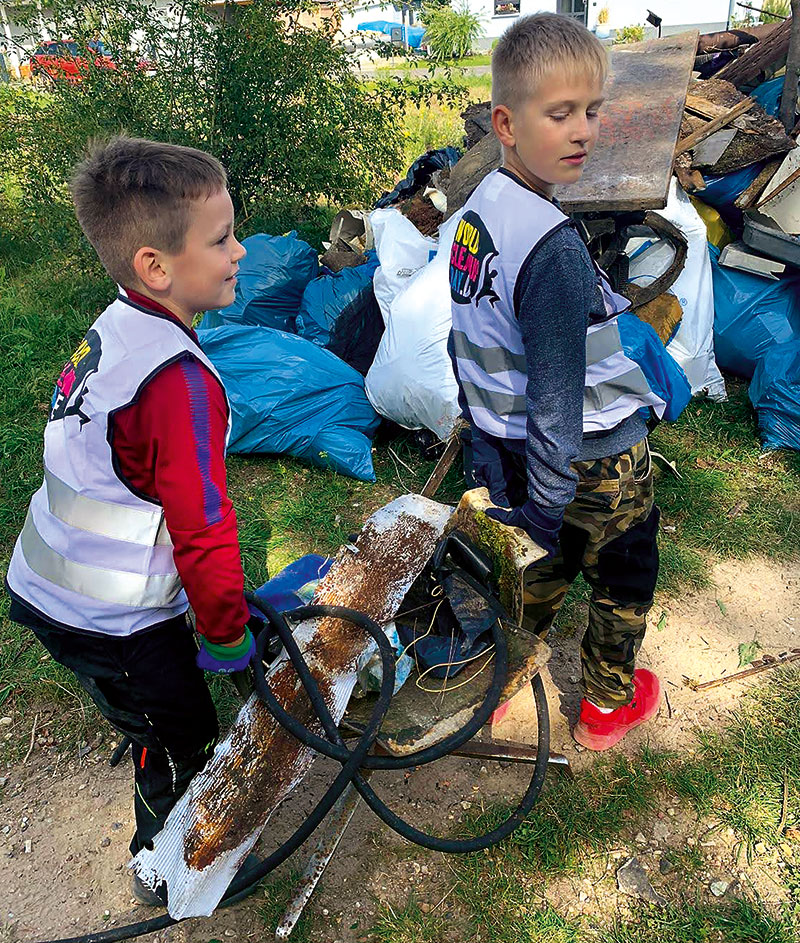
{"points": [[775, 393], [664, 375], [328, 296], [272, 278], [720, 192], [768, 95], [295, 584], [288, 396], [751, 314]]}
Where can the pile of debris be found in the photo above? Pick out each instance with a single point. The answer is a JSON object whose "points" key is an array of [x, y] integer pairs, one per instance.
{"points": [[691, 203]]}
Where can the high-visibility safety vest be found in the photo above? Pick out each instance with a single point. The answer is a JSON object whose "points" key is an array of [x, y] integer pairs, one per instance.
{"points": [[94, 554], [627, 366]]}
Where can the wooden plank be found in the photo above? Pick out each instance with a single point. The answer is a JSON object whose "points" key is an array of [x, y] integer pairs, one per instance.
{"points": [[707, 130], [645, 96], [632, 162], [218, 820], [747, 197], [769, 52]]}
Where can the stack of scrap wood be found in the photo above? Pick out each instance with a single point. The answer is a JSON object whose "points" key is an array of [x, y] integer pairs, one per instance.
{"points": [[723, 131]]}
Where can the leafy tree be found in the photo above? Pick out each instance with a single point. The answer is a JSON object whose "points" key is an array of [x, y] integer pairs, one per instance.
{"points": [[272, 95]]}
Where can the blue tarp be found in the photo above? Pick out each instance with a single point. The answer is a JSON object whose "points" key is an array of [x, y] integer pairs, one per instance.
{"points": [[289, 396], [272, 278], [775, 393], [751, 314], [412, 35], [768, 95]]}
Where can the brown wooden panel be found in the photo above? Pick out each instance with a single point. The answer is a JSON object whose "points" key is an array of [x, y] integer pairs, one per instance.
{"points": [[645, 96]]}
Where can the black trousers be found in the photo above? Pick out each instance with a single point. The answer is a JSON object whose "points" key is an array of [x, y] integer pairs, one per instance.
{"points": [[148, 686]]}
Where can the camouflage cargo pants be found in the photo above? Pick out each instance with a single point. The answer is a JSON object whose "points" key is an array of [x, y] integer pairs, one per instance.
{"points": [[609, 535]]}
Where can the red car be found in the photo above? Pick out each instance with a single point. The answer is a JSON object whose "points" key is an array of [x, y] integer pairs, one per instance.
{"points": [[63, 60]]}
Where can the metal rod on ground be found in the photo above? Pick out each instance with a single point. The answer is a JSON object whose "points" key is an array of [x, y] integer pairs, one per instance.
{"points": [[763, 664], [338, 819]]}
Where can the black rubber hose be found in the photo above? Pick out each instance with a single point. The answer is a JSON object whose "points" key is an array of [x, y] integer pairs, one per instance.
{"points": [[353, 760], [338, 751]]}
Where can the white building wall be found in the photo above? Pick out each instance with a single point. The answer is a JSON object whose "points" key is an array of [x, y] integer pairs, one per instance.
{"points": [[706, 14], [672, 12]]}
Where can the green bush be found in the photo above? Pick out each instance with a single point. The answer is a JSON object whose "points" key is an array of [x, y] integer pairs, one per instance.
{"points": [[278, 102], [450, 33], [629, 34]]}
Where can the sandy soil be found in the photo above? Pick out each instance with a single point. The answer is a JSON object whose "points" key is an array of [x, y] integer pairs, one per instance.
{"points": [[65, 821]]}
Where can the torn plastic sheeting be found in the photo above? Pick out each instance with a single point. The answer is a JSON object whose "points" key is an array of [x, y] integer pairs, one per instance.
{"points": [[775, 394], [215, 824], [419, 175]]}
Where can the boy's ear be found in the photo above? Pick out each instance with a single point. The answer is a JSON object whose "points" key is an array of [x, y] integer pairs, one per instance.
{"points": [[149, 266], [503, 125]]}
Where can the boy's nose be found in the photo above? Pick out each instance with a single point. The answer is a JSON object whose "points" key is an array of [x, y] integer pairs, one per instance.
{"points": [[239, 251], [580, 130]]}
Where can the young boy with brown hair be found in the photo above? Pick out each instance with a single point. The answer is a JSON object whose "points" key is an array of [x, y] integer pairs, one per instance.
{"points": [[132, 522], [556, 406]]}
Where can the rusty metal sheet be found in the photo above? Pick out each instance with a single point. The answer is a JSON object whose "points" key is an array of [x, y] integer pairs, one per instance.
{"points": [[218, 820], [645, 95]]}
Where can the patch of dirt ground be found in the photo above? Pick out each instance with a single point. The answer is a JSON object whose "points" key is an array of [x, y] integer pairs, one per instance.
{"points": [[65, 821]]}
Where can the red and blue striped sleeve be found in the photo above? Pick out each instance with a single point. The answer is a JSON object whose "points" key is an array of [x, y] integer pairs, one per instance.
{"points": [[170, 445]]}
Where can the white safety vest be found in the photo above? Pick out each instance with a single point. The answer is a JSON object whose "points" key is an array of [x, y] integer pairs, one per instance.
{"points": [[503, 224], [94, 554]]}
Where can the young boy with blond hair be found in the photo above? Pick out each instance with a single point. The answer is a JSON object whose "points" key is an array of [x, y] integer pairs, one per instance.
{"points": [[132, 522], [556, 405]]}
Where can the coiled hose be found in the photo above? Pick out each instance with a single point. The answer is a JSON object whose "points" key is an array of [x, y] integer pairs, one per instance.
{"points": [[355, 759]]}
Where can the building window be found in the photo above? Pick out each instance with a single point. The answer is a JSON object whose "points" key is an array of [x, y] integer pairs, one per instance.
{"points": [[506, 7], [573, 8]]}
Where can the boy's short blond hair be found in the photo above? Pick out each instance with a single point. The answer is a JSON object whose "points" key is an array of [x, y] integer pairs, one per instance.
{"points": [[130, 192], [536, 45]]}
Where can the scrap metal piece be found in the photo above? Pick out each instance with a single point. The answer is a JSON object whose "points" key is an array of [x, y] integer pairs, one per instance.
{"points": [[708, 152], [336, 825], [218, 820], [768, 661]]}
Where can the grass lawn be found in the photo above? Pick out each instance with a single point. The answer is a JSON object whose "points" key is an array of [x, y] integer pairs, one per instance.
{"points": [[730, 502]]}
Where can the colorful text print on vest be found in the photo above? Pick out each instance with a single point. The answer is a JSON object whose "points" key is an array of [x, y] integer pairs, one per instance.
{"points": [[71, 385], [470, 260]]}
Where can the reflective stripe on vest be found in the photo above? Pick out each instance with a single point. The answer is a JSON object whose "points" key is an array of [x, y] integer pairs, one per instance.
{"points": [[503, 222], [106, 585], [104, 518]]}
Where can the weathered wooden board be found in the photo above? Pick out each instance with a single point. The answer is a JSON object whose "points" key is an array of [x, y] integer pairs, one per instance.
{"points": [[216, 823], [645, 96], [418, 718], [632, 162]]}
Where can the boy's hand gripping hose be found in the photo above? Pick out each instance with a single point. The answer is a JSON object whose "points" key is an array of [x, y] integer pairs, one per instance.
{"points": [[357, 758]]}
